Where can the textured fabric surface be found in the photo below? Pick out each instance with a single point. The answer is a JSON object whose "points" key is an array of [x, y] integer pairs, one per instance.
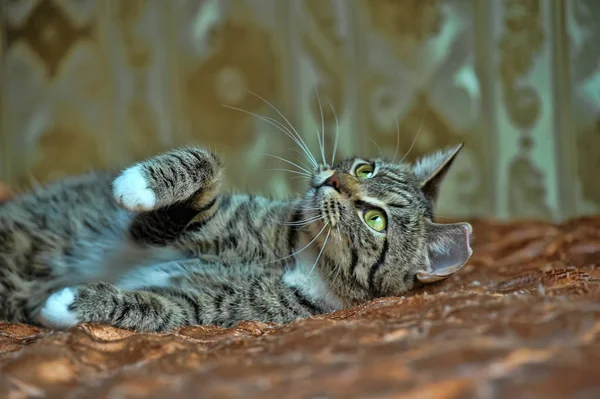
{"points": [[522, 319], [5, 192]]}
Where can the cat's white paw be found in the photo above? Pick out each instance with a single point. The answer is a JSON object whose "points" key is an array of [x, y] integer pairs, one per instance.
{"points": [[131, 191], [56, 312]]}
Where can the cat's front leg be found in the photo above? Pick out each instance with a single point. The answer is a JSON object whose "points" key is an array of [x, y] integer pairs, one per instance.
{"points": [[107, 304], [169, 191], [189, 176]]}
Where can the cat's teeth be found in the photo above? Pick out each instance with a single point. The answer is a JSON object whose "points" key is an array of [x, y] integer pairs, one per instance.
{"points": [[131, 191], [56, 312]]}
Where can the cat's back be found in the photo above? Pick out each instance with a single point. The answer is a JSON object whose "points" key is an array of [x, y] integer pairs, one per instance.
{"points": [[55, 205]]}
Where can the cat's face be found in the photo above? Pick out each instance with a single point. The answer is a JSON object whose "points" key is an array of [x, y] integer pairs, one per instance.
{"points": [[373, 220]]}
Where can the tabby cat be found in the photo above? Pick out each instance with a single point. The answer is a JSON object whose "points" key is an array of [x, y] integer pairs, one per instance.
{"points": [[159, 246]]}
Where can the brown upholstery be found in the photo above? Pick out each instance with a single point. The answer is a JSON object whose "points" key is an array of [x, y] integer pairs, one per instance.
{"points": [[5, 192], [522, 319]]}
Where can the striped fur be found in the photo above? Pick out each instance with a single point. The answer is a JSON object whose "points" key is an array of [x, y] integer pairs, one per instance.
{"points": [[159, 246]]}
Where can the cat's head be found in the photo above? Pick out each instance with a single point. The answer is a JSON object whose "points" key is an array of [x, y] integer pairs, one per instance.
{"points": [[376, 227]]}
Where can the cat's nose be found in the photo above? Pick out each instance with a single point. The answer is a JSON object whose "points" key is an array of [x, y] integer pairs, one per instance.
{"points": [[333, 181]]}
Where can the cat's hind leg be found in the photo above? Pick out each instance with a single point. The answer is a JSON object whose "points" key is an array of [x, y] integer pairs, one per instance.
{"points": [[105, 303], [216, 297]]}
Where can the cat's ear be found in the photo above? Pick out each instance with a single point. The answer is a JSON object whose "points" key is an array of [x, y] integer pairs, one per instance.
{"points": [[448, 247], [431, 170]]}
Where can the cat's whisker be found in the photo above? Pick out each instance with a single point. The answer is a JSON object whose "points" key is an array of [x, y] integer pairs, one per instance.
{"points": [[397, 140], [416, 136], [337, 133], [298, 151], [321, 135], [309, 154], [285, 160], [304, 222], [313, 217], [319, 143], [283, 129], [306, 175], [292, 224], [307, 220], [338, 267], [299, 223], [378, 148], [302, 206], [320, 253], [307, 208], [300, 250], [310, 209], [302, 154], [304, 151]]}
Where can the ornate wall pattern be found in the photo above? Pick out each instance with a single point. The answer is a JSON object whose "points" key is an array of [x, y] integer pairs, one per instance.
{"points": [[98, 84]]}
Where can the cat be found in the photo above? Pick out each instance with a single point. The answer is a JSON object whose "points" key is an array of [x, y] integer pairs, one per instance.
{"points": [[159, 246]]}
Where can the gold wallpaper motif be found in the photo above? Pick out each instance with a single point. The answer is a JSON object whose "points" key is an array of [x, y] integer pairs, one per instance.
{"points": [[589, 161], [143, 135], [94, 84], [323, 43], [585, 73], [49, 33], [51, 152], [519, 45], [427, 97], [406, 20], [241, 58]]}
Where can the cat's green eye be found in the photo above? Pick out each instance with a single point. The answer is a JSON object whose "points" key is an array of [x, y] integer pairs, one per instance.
{"points": [[364, 171], [376, 220]]}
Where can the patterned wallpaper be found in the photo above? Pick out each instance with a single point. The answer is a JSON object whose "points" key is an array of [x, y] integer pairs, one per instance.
{"points": [[102, 83]]}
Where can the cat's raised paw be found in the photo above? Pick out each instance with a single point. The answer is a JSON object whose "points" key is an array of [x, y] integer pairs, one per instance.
{"points": [[131, 191], [57, 311]]}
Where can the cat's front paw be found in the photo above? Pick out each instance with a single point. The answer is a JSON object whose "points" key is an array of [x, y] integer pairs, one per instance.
{"points": [[131, 190], [58, 310]]}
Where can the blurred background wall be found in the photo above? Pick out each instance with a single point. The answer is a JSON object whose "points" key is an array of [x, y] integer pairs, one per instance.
{"points": [[103, 83]]}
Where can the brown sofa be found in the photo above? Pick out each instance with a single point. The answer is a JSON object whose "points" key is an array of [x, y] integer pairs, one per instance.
{"points": [[5, 192], [521, 320]]}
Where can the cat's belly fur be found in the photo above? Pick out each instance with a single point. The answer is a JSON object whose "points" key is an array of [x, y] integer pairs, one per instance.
{"points": [[122, 263], [113, 257]]}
